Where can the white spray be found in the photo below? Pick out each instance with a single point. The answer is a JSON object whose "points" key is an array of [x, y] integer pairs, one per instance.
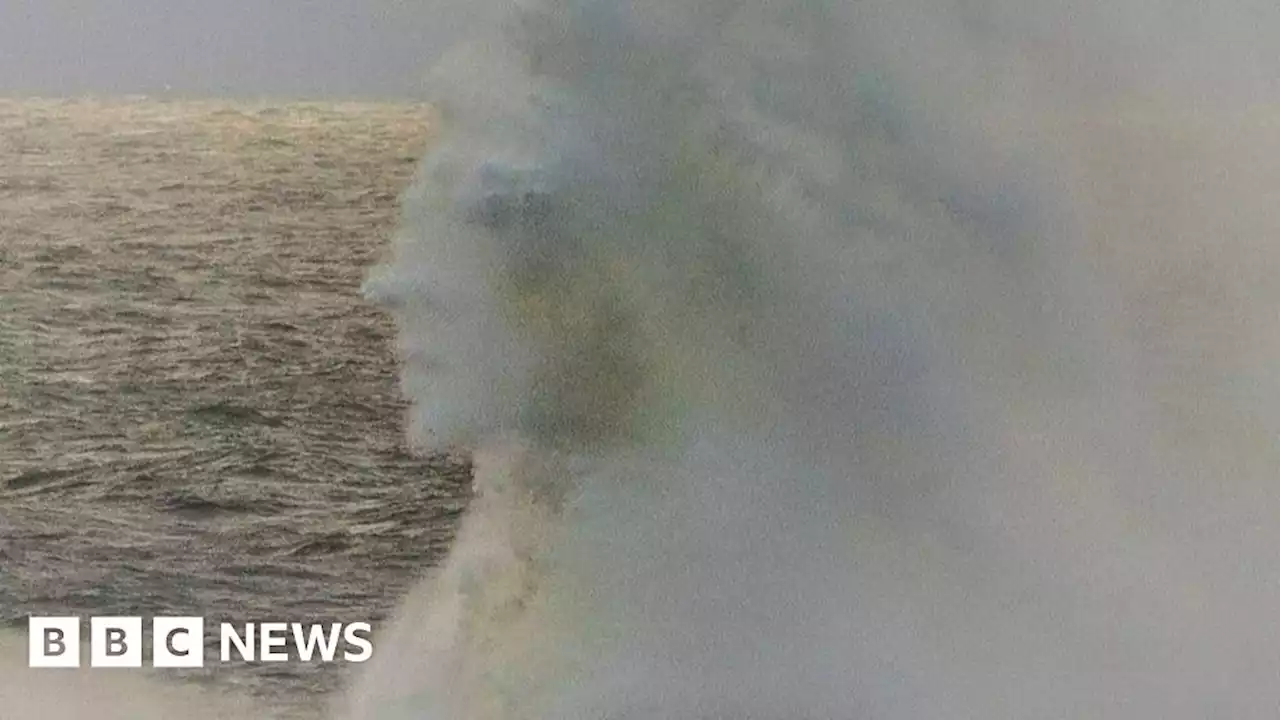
{"points": [[847, 360]]}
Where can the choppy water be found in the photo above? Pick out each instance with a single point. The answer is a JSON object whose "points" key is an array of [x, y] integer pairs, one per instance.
{"points": [[199, 412]]}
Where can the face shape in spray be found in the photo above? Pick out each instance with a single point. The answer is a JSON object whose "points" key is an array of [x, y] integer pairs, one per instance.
{"points": [[827, 360]]}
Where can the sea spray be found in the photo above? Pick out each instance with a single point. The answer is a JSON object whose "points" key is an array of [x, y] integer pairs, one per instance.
{"points": [[842, 360]]}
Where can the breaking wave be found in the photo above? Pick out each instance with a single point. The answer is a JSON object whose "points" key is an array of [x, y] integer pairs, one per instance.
{"points": [[842, 360], [833, 359]]}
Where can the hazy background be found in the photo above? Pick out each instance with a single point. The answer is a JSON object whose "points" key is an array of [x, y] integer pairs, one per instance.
{"points": [[282, 48], [378, 48]]}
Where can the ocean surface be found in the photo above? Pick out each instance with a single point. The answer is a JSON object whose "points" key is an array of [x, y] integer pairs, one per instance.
{"points": [[199, 413]]}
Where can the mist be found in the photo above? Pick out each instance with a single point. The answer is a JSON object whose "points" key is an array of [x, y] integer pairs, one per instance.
{"points": [[888, 359]]}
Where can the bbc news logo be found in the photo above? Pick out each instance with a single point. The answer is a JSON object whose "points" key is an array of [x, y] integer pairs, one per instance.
{"points": [[179, 642]]}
